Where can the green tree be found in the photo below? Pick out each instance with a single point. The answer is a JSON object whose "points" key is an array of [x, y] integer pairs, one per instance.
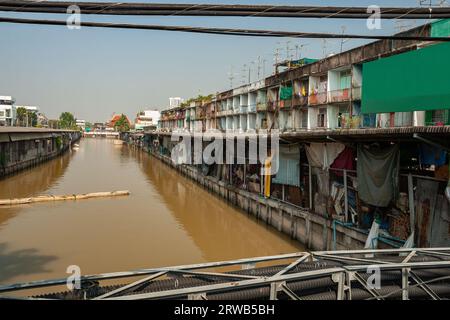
{"points": [[31, 117], [122, 125], [67, 121], [21, 114]]}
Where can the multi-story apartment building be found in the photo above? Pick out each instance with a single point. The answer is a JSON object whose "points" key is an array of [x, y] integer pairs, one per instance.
{"points": [[7, 111], [328, 94], [363, 142]]}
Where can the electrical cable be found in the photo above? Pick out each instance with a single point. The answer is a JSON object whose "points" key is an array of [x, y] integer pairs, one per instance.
{"points": [[223, 31]]}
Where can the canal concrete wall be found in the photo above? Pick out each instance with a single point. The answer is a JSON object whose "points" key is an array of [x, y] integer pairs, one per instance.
{"points": [[314, 231], [22, 148]]}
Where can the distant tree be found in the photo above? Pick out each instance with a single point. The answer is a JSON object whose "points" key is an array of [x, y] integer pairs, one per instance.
{"points": [[122, 125], [21, 114], [31, 117], [67, 121]]}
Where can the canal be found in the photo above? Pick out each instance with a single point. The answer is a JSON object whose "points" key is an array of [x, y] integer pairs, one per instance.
{"points": [[167, 220]]}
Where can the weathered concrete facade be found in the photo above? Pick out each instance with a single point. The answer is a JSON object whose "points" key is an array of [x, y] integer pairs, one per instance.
{"points": [[21, 148]]}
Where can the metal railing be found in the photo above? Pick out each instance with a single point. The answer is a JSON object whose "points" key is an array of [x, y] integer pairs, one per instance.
{"points": [[299, 100], [317, 98], [333, 275], [339, 95]]}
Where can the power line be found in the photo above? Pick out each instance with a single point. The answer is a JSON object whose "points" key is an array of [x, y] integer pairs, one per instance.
{"points": [[119, 8], [224, 31]]}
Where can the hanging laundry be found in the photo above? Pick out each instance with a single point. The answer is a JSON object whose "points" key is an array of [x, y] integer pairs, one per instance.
{"points": [[426, 196], [304, 91], [323, 154], [345, 160], [378, 170], [430, 155], [288, 166], [285, 93]]}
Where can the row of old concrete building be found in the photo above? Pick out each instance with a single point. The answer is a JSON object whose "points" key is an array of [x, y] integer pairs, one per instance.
{"points": [[363, 145], [331, 93]]}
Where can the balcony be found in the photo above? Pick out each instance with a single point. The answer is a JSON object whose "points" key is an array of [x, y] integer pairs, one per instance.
{"points": [[318, 98], [299, 101], [356, 93], [272, 105], [285, 104], [261, 106], [339, 95]]}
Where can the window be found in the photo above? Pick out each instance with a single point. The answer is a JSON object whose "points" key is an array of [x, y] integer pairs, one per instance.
{"points": [[2, 113], [322, 118], [345, 79], [437, 117]]}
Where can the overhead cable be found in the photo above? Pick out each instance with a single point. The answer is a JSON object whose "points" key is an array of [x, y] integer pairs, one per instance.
{"points": [[223, 31], [158, 9]]}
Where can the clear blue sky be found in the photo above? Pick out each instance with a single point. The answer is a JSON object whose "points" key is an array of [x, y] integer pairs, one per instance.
{"points": [[94, 72]]}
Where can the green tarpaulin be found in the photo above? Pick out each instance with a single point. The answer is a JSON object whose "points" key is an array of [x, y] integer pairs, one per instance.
{"points": [[285, 93], [440, 28], [416, 80]]}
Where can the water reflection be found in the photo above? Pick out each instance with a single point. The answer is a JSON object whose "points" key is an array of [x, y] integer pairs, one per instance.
{"points": [[167, 220]]}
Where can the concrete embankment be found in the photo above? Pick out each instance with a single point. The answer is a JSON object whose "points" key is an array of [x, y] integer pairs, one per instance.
{"points": [[312, 230], [21, 148]]}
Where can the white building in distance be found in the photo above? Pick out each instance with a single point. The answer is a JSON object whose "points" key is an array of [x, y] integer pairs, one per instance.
{"points": [[147, 118], [7, 111], [175, 102]]}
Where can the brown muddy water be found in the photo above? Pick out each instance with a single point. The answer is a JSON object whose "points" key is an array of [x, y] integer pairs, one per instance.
{"points": [[167, 220]]}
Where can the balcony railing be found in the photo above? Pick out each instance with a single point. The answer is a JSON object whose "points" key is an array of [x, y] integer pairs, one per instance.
{"points": [[356, 93], [285, 104], [317, 98], [299, 101], [339, 95], [261, 106], [272, 105]]}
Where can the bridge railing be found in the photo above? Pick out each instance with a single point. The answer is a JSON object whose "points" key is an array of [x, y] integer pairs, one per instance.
{"points": [[404, 274]]}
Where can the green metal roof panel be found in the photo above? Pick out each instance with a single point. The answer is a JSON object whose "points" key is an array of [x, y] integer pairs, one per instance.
{"points": [[416, 80]]}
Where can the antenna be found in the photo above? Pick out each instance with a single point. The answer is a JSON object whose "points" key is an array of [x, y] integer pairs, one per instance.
{"points": [[324, 47], [259, 67], [288, 50], [344, 28], [243, 73], [231, 77], [277, 54]]}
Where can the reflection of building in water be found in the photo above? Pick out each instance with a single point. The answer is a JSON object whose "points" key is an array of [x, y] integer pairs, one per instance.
{"points": [[31, 182], [218, 229]]}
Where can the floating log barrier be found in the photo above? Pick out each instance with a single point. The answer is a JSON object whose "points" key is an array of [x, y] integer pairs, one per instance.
{"points": [[47, 198]]}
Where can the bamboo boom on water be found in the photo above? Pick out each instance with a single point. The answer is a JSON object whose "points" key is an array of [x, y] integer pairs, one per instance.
{"points": [[47, 198]]}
